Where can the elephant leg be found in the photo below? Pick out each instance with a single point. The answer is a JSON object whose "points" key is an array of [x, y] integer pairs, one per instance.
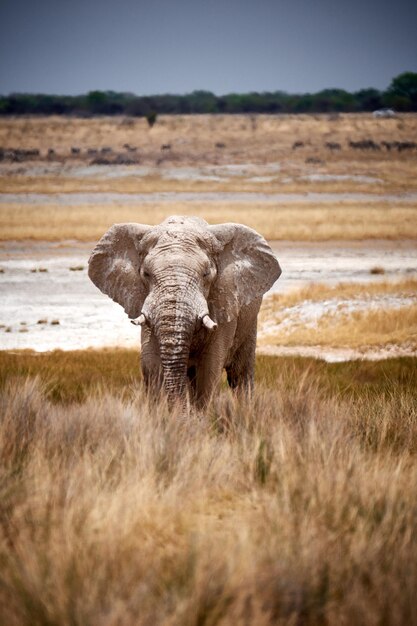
{"points": [[211, 364], [241, 370], [208, 378]]}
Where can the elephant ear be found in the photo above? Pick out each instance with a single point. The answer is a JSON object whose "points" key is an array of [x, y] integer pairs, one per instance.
{"points": [[246, 269], [114, 266]]}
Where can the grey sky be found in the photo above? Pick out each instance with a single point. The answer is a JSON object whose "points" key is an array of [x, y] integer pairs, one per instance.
{"points": [[176, 46]]}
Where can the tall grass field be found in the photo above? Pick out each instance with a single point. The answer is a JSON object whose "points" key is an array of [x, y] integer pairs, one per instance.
{"points": [[298, 506]]}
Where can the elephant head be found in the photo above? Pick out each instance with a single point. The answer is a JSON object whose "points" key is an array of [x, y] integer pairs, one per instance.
{"points": [[182, 277]]}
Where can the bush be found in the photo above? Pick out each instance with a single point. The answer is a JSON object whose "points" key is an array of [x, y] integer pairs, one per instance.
{"points": [[151, 118]]}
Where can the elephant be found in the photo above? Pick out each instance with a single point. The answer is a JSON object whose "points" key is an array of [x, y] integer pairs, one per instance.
{"points": [[195, 289]]}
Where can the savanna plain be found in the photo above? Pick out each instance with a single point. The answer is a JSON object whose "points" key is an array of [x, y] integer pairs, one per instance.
{"points": [[296, 506]]}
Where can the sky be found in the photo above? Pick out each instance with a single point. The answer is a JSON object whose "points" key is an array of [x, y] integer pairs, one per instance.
{"points": [[177, 46]]}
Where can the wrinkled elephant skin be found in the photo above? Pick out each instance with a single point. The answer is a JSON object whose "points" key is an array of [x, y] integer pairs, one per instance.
{"points": [[196, 290]]}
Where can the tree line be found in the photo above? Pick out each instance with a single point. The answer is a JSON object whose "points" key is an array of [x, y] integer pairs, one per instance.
{"points": [[401, 95]]}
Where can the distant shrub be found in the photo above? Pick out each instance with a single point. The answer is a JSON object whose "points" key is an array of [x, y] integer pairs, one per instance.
{"points": [[151, 118], [377, 270]]}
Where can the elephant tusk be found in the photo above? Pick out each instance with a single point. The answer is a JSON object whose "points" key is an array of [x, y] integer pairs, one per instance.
{"points": [[140, 321], [208, 322]]}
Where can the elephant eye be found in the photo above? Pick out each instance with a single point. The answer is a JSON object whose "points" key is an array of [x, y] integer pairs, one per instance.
{"points": [[209, 271], [146, 274]]}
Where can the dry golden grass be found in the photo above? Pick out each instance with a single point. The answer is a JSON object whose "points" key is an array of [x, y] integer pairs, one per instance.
{"points": [[294, 222], [298, 507], [346, 327], [260, 141], [156, 182], [362, 330], [193, 137], [317, 292], [69, 377]]}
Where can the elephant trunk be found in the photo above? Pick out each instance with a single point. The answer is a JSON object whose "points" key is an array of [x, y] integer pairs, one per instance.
{"points": [[174, 309], [174, 326], [174, 348]]}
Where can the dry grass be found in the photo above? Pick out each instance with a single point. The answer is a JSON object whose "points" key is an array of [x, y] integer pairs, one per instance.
{"points": [[72, 376], [298, 507], [158, 182], [347, 325], [69, 377], [260, 142], [193, 137], [361, 330], [294, 222], [318, 292]]}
